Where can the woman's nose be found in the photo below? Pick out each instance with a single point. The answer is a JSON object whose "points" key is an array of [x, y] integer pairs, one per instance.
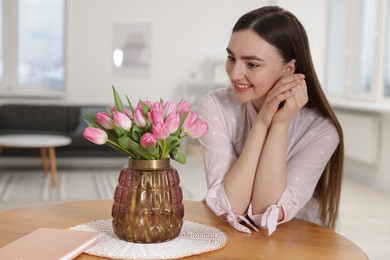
{"points": [[237, 71]]}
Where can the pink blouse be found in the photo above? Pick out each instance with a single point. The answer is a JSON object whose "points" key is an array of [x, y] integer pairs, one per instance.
{"points": [[312, 139]]}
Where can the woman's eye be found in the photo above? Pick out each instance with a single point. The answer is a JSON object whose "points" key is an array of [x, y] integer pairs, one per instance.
{"points": [[252, 65], [230, 58]]}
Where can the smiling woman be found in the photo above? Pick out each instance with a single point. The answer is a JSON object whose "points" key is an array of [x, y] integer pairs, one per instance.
{"points": [[274, 149], [253, 75]]}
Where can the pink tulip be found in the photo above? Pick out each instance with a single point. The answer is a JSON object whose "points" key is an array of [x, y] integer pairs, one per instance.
{"points": [[193, 126], [172, 121], [121, 120], [183, 107], [105, 120], [191, 119], [156, 114], [198, 129], [95, 135], [128, 113], [160, 130], [169, 108], [113, 109], [148, 139], [158, 106], [139, 118]]}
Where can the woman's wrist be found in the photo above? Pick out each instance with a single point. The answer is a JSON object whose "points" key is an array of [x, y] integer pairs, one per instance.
{"points": [[280, 126], [260, 126]]}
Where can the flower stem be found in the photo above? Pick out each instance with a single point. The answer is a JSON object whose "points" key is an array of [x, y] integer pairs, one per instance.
{"points": [[165, 150], [119, 148]]}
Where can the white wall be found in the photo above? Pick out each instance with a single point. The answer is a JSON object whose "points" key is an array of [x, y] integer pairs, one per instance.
{"points": [[184, 34], [367, 146]]}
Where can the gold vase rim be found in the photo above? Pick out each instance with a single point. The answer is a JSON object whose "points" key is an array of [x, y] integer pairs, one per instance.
{"points": [[149, 164]]}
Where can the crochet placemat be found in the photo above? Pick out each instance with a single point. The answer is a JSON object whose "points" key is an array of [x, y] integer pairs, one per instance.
{"points": [[194, 239]]}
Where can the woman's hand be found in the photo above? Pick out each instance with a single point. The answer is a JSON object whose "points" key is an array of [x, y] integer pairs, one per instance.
{"points": [[292, 105], [284, 100]]}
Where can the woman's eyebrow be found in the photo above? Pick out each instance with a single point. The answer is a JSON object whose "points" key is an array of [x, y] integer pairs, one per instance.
{"points": [[249, 57]]}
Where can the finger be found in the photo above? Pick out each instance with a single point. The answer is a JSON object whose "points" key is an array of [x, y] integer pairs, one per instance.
{"points": [[290, 78], [299, 99], [286, 84], [277, 100], [301, 96]]}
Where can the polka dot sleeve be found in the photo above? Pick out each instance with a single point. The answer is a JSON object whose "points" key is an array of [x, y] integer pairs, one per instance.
{"points": [[219, 157], [305, 164], [312, 141]]}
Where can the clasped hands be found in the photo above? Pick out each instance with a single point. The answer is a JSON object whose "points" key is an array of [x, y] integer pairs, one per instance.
{"points": [[284, 100]]}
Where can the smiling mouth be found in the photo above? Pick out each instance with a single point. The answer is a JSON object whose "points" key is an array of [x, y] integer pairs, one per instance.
{"points": [[242, 87]]}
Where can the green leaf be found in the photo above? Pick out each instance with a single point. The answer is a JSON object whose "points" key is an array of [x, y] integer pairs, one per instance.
{"points": [[108, 110], [120, 148], [153, 150], [130, 105], [90, 124], [139, 150], [92, 119], [173, 142], [178, 155], [136, 132], [145, 107], [112, 135], [120, 131], [118, 101], [124, 141]]}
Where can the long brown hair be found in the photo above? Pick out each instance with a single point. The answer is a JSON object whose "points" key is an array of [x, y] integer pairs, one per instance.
{"points": [[283, 30]]}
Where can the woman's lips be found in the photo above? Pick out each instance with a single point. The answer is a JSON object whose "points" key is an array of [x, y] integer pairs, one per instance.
{"points": [[242, 87]]}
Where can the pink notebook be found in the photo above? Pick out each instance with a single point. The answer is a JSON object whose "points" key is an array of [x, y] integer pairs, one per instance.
{"points": [[50, 244]]}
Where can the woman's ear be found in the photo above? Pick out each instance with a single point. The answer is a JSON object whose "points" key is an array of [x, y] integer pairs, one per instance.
{"points": [[289, 68]]}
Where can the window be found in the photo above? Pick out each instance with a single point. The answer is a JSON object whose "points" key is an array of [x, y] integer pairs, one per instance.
{"points": [[338, 51], [366, 37], [387, 48], [1, 42], [34, 40], [355, 65]]}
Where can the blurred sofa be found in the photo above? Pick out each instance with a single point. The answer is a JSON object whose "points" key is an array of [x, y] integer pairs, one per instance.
{"points": [[65, 120]]}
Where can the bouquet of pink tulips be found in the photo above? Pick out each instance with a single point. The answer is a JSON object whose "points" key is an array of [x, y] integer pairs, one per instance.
{"points": [[150, 131]]}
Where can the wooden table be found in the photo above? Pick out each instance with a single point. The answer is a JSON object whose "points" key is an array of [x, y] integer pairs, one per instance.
{"points": [[45, 142], [296, 239]]}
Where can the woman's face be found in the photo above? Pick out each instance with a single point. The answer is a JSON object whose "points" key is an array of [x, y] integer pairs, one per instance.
{"points": [[253, 66]]}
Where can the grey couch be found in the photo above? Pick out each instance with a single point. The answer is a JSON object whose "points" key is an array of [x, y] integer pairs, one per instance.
{"points": [[65, 120]]}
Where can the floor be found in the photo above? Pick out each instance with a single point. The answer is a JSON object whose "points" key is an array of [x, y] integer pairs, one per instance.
{"points": [[365, 218], [364, 211]]}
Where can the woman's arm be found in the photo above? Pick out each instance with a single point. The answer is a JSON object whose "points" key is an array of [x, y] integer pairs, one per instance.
{"points": [[265, 154], [271, 179], [238, 182]]}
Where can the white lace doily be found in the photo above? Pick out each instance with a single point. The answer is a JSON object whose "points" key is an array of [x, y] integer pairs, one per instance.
{"points": [[194, 239]]}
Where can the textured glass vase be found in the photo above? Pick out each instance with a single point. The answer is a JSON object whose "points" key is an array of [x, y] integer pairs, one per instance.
{"points": [[148, 204]]}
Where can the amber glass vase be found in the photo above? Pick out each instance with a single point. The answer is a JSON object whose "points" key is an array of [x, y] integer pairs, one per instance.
{"points": [[148, 204]]}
